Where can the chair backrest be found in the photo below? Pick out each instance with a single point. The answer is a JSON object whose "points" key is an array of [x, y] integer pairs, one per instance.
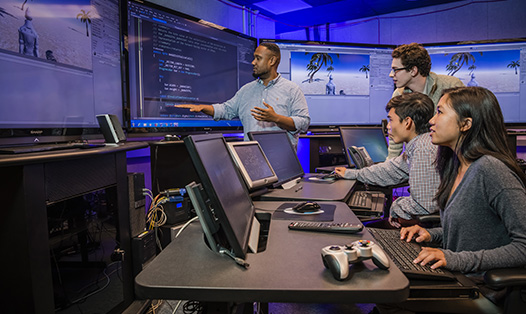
{"points": [[514, 281]]}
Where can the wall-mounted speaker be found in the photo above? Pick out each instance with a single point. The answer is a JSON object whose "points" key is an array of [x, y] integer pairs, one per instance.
{"points": [[111, 128]]}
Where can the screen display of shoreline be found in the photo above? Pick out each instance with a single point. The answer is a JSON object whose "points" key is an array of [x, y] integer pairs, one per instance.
{"points": [[348, 84], [495, 66], [176, 59], [60, 67]]}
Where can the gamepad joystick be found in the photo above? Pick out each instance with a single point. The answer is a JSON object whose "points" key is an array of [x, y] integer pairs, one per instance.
{"points": [[337, 258]]}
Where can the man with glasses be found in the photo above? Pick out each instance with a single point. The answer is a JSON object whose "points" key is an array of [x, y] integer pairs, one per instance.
{"points": [[411, 72]]}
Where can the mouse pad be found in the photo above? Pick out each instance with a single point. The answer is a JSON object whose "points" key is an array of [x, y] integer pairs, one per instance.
{"points": [[326, 215]]}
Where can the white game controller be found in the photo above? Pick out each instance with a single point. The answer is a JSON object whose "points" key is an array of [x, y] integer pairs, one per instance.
{"points": [[337, 258]]}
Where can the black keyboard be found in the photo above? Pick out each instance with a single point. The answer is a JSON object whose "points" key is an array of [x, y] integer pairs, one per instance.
{"points": [[403, 253], [336, 227], [367, 200]]}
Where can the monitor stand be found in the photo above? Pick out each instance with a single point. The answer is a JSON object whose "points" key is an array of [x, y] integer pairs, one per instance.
{"points": [[290, 184], [194, 191], [253, 240], [258, 231]]}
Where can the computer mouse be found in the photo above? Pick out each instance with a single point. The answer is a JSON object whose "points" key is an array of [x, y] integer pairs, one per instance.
{"points": [[306, 207], [332, 175], [170, 137]]}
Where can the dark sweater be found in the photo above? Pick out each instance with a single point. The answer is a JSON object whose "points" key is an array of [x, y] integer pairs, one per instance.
{"points": [[484, 222]]}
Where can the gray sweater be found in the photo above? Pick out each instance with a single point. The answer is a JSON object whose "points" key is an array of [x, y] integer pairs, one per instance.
{"points": [[484, 222]]}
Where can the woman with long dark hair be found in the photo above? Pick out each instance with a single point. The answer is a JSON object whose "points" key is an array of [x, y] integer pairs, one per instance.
{"points": [[481, 196]]}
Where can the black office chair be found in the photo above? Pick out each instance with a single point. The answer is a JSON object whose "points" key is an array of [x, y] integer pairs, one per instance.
{"points": [[514, 281], [429, 221]]}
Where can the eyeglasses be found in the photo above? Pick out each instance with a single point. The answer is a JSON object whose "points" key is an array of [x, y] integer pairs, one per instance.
{"points": [[394, 70]]}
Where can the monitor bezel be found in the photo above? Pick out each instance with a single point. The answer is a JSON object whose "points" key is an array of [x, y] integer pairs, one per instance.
{"points": [[225, 236], [40, 133], [149, 124], [251, 184], [285, 133], [346, 145]]}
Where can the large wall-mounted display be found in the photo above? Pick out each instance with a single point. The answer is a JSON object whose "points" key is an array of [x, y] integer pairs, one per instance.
{"points": [[175, 59], [495, 66], [344, 84], [349, 84], [60, 67]]}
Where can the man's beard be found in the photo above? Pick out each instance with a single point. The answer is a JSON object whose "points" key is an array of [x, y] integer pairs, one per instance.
{"points": [[260, 75]]}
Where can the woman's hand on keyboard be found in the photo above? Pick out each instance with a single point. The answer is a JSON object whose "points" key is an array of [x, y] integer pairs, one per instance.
{"points": [[431, 255], [420, 234]]}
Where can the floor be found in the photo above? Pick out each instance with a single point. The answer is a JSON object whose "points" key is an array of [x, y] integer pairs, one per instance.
{"points": [[171, 307]]}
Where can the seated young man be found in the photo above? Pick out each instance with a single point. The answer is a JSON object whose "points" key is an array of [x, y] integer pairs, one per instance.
{"points": [[408, 117]]}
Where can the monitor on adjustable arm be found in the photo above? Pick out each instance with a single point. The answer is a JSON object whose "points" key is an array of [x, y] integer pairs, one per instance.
{"points": [[280, 153], [229, 201], [253, 164], [60, 68]]}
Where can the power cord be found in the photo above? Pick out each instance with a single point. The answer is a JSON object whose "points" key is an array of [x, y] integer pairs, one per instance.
{"points": [[238, 260], [186, 225]]}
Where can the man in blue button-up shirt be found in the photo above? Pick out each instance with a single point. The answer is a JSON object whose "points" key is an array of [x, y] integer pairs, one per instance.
{"points": [[269, 103]]}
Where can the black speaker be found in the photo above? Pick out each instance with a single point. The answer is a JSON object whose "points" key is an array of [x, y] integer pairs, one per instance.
{"points": [[111, 128]]}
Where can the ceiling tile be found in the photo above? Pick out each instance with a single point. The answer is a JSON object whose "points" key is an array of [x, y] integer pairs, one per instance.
{"points": [[282, 6]]}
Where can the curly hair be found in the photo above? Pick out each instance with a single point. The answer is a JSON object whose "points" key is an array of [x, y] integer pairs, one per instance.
{"points": [[413, 55]]}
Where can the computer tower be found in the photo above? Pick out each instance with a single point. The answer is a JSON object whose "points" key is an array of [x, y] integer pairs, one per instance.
{"points": [[137, 203], [171, 166], [143, 250]]}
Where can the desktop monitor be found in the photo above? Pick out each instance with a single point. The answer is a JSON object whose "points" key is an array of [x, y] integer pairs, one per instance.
{"points": [[228, 197], [372, 138], [253, 164], [280, 153]]}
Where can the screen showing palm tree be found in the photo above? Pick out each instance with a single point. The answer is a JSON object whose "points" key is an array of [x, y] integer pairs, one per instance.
{"points": [[60, 64], [322, 73], [494, 70], [495, 66]]}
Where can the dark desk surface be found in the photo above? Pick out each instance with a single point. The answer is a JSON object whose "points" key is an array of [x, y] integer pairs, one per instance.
{"points": [[289, 270], [339, 190], [65, 154]]}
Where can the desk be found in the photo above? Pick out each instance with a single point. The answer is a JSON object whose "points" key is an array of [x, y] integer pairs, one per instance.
{"points": [[289, 270], [29, 183], [339, 190]]}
